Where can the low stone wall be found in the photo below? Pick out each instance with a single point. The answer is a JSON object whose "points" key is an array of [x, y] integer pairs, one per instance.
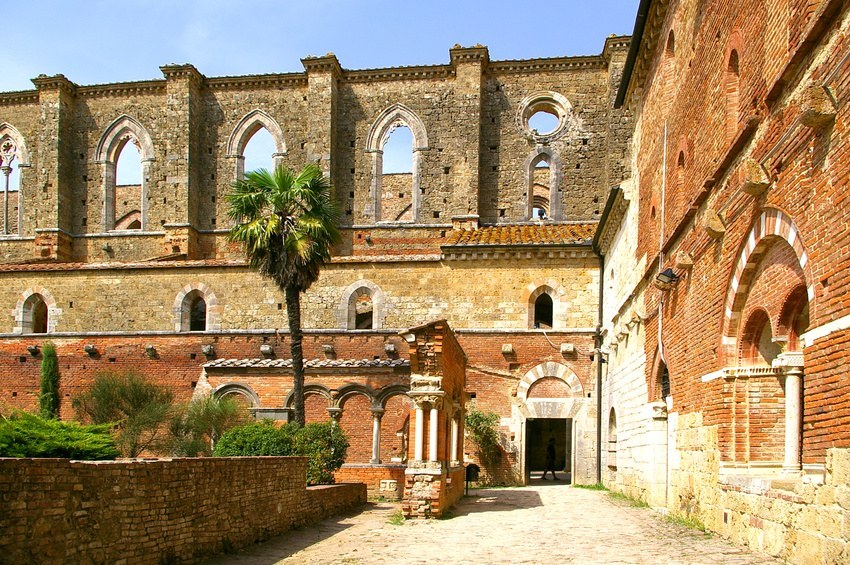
{"points": [[381, 480], [61, 511]]}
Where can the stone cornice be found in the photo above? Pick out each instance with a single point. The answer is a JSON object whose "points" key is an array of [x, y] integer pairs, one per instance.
{"points": [[19, 97], [155, 86], [55, 82], [474, 54], [548, 64], [528, 251], [324, 64], [267, 80], [399, 73]]}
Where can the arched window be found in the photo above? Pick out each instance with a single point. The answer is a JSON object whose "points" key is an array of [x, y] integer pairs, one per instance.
{"points": [[196, 309], [396, 141], [267, 146], [732, 98], [125, 152], [543, 174], [194, 312], [361, 307], [794, 318], [14, 159], [35, 315], [543, 312]]}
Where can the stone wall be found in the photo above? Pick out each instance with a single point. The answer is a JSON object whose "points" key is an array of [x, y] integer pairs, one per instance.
{"points": [[58, 511]]}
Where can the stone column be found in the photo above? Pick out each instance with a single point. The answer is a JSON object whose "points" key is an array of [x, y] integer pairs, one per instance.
{"points": [[433, 426], [376, 436], [453, 459], [419, 437], [793, 419]]}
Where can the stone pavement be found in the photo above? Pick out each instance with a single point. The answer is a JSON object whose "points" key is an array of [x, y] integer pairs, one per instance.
{"points": [[543, 523]]}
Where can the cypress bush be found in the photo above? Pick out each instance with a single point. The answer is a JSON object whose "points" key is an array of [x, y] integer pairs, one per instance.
{"points": [[49, 398]]}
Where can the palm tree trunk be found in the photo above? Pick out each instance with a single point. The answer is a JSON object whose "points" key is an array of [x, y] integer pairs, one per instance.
{"points": [[293, 314]]}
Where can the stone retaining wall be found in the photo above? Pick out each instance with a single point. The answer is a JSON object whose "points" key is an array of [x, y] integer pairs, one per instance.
{"points": [[181, 510]]}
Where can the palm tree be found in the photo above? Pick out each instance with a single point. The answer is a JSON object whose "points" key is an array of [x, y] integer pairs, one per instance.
{"points": [[287, 223]]}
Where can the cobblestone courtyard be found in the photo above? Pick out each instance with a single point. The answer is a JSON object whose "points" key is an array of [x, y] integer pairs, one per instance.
{"points": [[546, 523]]}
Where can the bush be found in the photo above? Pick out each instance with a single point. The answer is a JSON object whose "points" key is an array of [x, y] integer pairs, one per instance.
{"points": [[324, 445], [27, 435], [483, 428], [136, 408], [258, 438], [49, 398], [196, 431]]}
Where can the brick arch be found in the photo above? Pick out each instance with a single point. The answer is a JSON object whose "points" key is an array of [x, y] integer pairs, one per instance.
{"points": [[345, 314], [124, 129], [384, 394], [395, 116], [793, 306], [21, 315], [549, 369], [552, 157], [180, 314], [237, 388], [350, 390], [250, 124], [771, 224]]}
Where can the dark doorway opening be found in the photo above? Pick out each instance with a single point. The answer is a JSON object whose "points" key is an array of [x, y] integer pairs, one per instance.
{"points": [[538, 432]]}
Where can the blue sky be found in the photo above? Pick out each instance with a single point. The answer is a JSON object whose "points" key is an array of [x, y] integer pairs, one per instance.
{"points": [[99, 41]]}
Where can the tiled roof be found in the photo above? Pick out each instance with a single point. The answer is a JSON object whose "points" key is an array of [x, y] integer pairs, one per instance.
{"points": [[308, 363], [529, 234]]}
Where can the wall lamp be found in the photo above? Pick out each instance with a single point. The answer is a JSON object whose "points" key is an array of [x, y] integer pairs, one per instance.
{"points": [[667, 277]]}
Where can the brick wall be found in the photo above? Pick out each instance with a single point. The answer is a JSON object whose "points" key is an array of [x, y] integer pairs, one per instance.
{"points": [[375, 478], [60, 511]]}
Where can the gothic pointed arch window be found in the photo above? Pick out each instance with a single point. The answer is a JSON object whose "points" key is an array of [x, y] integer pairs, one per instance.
{"points": [[125, 152], [362, 306], [36, 312], [267, 145], [541, 308], [196, 309], [35, 315], [14, 161], [396, 142]]}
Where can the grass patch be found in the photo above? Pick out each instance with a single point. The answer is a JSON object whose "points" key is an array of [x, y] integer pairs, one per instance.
{"points": [[690, 522], [396, 518], [596, 486], [620, 497]]}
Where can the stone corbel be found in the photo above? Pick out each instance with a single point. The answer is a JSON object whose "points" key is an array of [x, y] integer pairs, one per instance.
{"points": [[755, 180], [816, 107], [713, 224]]}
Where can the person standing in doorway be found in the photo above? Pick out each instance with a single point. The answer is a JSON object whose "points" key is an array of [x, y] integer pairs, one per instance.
{"points": [[550, 459]]}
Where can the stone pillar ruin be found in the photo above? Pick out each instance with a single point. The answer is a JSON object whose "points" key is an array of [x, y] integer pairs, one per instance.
{"points": [[376, 436], [437, 381]]}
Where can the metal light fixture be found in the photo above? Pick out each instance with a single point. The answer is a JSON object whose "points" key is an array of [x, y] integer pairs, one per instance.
{"points": [[667, 277]]}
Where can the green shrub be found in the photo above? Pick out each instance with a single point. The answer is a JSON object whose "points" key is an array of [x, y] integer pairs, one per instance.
{"points": [[197, 430], [258, 438], [324, 445], [135, 407], [27, 435], [483, 428], [49, 398]]}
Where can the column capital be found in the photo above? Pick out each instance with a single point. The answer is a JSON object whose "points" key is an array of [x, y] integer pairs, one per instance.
{"points": [[335, 413]]}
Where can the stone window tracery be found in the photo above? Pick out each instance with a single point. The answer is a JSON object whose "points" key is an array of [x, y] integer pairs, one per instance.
{"points": [[14, 160]]}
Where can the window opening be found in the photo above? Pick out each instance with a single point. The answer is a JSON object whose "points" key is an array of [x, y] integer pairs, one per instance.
{"points": [[541, 178], [543, 311], [11, 185], [128, 186], [732, 99], [259, 151], [363, 312], [35, 313], [198, 314], [397, 175], [544, 122]]}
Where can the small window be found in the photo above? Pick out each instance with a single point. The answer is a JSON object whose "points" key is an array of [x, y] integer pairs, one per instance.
{"points": [[198, 315], [35, 315], [543, 312], [363, 312]]}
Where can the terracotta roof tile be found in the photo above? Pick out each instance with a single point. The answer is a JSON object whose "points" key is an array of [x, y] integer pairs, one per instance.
{"points": [[308, 363], [527, 234]]}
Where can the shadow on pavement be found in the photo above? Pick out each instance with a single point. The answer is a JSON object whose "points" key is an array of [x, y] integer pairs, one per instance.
{"points": [[496, 500], [292, 541]]}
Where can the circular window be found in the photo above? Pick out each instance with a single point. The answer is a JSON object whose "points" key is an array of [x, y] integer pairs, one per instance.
{"points": [[544, 116]]}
